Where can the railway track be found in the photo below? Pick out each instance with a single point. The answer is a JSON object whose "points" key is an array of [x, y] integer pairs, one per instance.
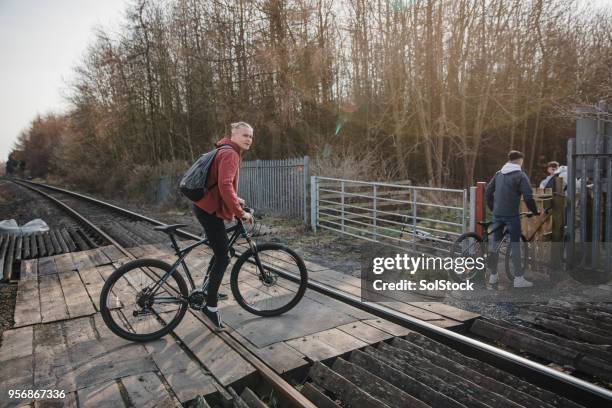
{"points": [[279, 384], [575, 338], [428, 367]]}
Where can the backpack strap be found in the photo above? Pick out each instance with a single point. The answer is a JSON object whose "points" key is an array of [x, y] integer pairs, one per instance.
{"points": [[219, 148]]}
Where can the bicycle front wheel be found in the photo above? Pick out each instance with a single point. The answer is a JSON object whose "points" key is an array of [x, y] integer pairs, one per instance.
{"points": [[468, 246], [132, 310], [269, 281]]}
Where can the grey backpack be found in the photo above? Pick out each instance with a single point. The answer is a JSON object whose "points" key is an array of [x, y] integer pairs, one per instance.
{"points": [[193, 184]]}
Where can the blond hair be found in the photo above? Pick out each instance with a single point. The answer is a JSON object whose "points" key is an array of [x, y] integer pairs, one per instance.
{"points": [[239, 125]]}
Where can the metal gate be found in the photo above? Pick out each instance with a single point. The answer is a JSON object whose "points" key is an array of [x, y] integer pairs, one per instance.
{"points": [[394, 214], [589, 189]]}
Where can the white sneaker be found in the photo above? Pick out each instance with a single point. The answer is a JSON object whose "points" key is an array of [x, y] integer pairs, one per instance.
{"points": [[493, 279], [521, 282]]}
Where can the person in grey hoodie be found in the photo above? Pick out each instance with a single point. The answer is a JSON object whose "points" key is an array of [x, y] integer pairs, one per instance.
{"points": [[503, 195]]}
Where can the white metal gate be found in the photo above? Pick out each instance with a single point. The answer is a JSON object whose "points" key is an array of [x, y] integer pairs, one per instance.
{"points": [[393, 214]]}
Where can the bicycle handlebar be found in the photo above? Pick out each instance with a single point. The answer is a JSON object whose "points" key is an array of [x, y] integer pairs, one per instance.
{"points": [[246, 210], [530, 214]]}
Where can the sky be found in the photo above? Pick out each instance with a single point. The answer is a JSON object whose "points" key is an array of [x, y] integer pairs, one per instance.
{"points": [[41, 41]]}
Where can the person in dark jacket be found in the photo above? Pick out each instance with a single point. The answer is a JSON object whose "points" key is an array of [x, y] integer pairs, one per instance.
{"points": [[221, 203], [503, 196]]}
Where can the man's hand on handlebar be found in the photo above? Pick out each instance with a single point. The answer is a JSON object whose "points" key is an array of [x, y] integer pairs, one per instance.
{"points": [[536, 214], [248, 218]]}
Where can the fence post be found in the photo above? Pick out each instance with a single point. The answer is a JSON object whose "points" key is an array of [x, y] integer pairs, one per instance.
{"points": [[608, 216], [571, 200], [481, 208], [464, 212], [342, 204], [314, 195], [597, 184], [162, 190], [472, 226], [584, 201], [306, 176], [259, 183], [414, 215], [374, 213], [558, 224]]}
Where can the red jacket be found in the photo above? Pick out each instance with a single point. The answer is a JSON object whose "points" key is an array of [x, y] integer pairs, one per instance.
{"points": [[222, 199]]}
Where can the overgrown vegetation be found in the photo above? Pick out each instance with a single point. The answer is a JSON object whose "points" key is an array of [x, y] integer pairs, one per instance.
{"points": [[432, 91]]}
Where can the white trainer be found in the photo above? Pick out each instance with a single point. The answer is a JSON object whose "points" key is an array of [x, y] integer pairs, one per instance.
{"points": [[521, 282], [493, 279]]}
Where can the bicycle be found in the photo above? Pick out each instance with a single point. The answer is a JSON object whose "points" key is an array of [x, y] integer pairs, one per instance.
{"points": [[473, 245], [145, 299]]}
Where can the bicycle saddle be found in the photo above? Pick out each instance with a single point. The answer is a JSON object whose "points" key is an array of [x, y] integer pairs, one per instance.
{"points": [[485, 223], [168, 229]]}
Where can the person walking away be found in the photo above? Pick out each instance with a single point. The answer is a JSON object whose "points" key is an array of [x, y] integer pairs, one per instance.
{"points": [[221, 202], [503, 195]]}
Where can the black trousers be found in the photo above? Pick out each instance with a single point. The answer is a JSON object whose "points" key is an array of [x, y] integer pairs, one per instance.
{"points": [[215, 232]]}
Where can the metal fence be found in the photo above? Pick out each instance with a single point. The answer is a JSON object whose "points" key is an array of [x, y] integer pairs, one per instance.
{"points": [[589, 190], [279, 186], [394, 214]]}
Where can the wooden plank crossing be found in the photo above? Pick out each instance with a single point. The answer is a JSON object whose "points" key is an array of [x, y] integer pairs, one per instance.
{"points": [[52, 302], [101, 395], [64, 263], [225, 364], [93, 282], [147, 391], [46, 266], [326, 344], [98, 257], [77, 299], [27, 304], [82, 260], [61, 341], [186, 376]]}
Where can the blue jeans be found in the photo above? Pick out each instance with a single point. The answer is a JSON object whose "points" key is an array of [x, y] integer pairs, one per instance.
{"points": [[513, 225]]}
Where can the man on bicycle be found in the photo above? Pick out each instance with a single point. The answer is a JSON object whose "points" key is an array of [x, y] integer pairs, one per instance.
{"points": [[503, 196], [222, 203]]}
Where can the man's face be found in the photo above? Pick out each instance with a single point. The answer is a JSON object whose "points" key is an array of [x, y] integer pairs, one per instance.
{"points": [[551, 170], [519, 162], [243, 137]]}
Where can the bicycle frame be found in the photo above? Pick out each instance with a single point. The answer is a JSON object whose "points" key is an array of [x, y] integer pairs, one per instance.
{"points": [[485, 238], [238, 230]]}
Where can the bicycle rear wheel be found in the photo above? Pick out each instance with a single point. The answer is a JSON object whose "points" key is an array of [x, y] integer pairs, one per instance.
{"points": [[269, 281], [131, 311], [525, 254]]}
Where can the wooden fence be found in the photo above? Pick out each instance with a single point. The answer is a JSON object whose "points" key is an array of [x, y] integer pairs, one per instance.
{"points": [[277, 186]]}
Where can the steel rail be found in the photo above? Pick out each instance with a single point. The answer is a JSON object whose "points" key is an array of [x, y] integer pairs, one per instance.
{"points": [[563, 384], [294, 396]]}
